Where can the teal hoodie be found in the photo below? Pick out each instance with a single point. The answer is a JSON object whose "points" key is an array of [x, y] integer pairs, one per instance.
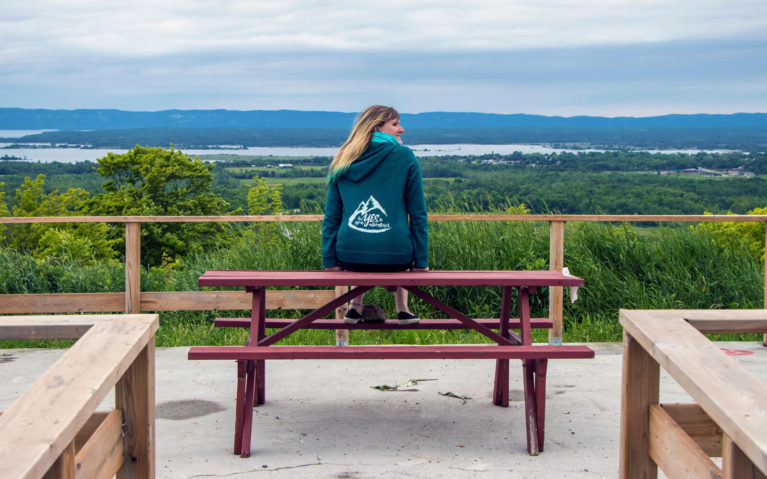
{"points": [[367, 209]]}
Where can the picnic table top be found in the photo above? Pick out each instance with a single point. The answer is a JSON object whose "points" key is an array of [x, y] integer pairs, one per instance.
{"points": [[261, 278]]}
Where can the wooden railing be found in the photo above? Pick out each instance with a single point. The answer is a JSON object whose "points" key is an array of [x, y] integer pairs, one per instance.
{"points": [[54, 430], [727, 418], [132, 300]]}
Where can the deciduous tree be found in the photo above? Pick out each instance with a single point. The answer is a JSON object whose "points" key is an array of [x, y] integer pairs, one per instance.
{"points": [[153, 181]]}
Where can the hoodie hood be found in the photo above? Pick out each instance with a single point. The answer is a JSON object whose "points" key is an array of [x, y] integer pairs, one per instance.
{"points": [[376, 153]]}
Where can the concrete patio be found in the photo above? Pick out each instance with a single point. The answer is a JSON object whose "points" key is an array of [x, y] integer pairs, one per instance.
{"points": [[325, 419]]}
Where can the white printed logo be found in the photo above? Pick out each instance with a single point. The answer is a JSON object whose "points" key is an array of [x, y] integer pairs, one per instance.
{"points": [[369, 217]]}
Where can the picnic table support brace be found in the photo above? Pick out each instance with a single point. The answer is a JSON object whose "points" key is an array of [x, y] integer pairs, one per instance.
{"points": [[454, 313], [251, 381], [540, 398]]}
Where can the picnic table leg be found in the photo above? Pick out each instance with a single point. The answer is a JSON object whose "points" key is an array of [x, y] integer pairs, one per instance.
{"points": [[247, 418], [260, 372], [540, 398], [239, 410], [531, 413], [501, 389]]}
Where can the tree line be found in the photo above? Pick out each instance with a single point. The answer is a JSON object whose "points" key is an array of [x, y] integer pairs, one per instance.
{"points": [[159, 181]]}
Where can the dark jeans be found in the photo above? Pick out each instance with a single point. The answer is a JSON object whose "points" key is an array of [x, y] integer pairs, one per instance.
{"points": [[375, 268]]}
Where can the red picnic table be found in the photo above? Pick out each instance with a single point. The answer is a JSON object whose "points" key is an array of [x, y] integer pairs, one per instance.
{"points": [[509, 344]]}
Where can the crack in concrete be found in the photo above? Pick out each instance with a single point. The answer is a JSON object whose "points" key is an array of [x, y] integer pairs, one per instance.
{"points": [[251, 471]]}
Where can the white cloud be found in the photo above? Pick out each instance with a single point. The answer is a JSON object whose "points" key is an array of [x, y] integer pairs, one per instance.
{"points": [[150, 28], [547, 56]]}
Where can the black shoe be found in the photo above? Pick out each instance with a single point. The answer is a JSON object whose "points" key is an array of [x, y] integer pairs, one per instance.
{"points": [[352, 317], [404, 318]]}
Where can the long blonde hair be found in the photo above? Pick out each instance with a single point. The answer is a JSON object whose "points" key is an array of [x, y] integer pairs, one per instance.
{"points": [[367, 122]]}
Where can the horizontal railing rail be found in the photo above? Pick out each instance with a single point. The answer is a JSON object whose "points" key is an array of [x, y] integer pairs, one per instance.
{"points": [[132, 300], [432, 217]]}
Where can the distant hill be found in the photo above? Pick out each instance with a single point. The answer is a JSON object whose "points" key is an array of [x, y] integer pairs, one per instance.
{"points": [[118, 128], [30, 119]]}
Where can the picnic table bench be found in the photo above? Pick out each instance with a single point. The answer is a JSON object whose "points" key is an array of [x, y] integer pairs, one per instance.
{"points": [[509, 344]]}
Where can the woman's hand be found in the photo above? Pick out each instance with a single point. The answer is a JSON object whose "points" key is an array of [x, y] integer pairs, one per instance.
{"points": [[334, 268], [421, 269]]}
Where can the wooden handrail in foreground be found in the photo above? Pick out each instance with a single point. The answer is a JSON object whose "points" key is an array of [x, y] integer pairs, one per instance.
{"points": [[135, 301], [728, 417], [53, 429]]}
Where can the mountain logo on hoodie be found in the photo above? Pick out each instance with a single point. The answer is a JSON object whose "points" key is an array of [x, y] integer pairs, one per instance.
{"points": [[370, 217]]}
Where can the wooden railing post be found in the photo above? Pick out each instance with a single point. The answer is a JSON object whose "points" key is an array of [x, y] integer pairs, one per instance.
{"points": [[132, 268], [556, 295], [135, 396], [342, 335]]}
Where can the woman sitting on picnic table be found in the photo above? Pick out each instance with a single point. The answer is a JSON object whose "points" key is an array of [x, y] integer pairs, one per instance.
{"points": [[375, 212]]}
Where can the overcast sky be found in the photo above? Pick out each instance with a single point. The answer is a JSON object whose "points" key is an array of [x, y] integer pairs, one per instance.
{"points": [[549, 57]]}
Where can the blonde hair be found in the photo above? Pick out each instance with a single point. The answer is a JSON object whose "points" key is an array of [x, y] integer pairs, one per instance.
{"points": [[367, 122]]}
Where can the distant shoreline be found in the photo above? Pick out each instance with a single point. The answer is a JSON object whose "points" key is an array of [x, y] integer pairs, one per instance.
{"points": [[73, 154]]}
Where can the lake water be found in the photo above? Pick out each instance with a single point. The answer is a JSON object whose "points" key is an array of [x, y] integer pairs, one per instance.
{"points": [[73, 155]]}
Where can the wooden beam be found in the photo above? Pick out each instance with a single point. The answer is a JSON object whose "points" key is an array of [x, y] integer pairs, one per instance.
{"points": [[62, 303], [101, 456], [735, 464], [434, 217], [89, 428], [674, 451], [342, 335], [64, 466], [134, 395], [233, 300], [158, 301], [556, 293], [729, 394], [640, 389], [698, 425], [727, 321], [42, 423], [132, 267]]}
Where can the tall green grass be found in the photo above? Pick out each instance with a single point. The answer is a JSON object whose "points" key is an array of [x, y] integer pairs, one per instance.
{"points": [[623, 267]]}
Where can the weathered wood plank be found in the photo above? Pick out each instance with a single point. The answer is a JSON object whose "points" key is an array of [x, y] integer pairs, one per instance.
{"points": [[135, 396], [62, 303], [735, 464], [90, 426], [233, 300], [64, 466], [727, 321], [674, 451], [101, 456], [640, 388], [434, 217], [696, 423], [45, 419], [728, 393], [158, 301], [556, 293], [132, 268]]}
